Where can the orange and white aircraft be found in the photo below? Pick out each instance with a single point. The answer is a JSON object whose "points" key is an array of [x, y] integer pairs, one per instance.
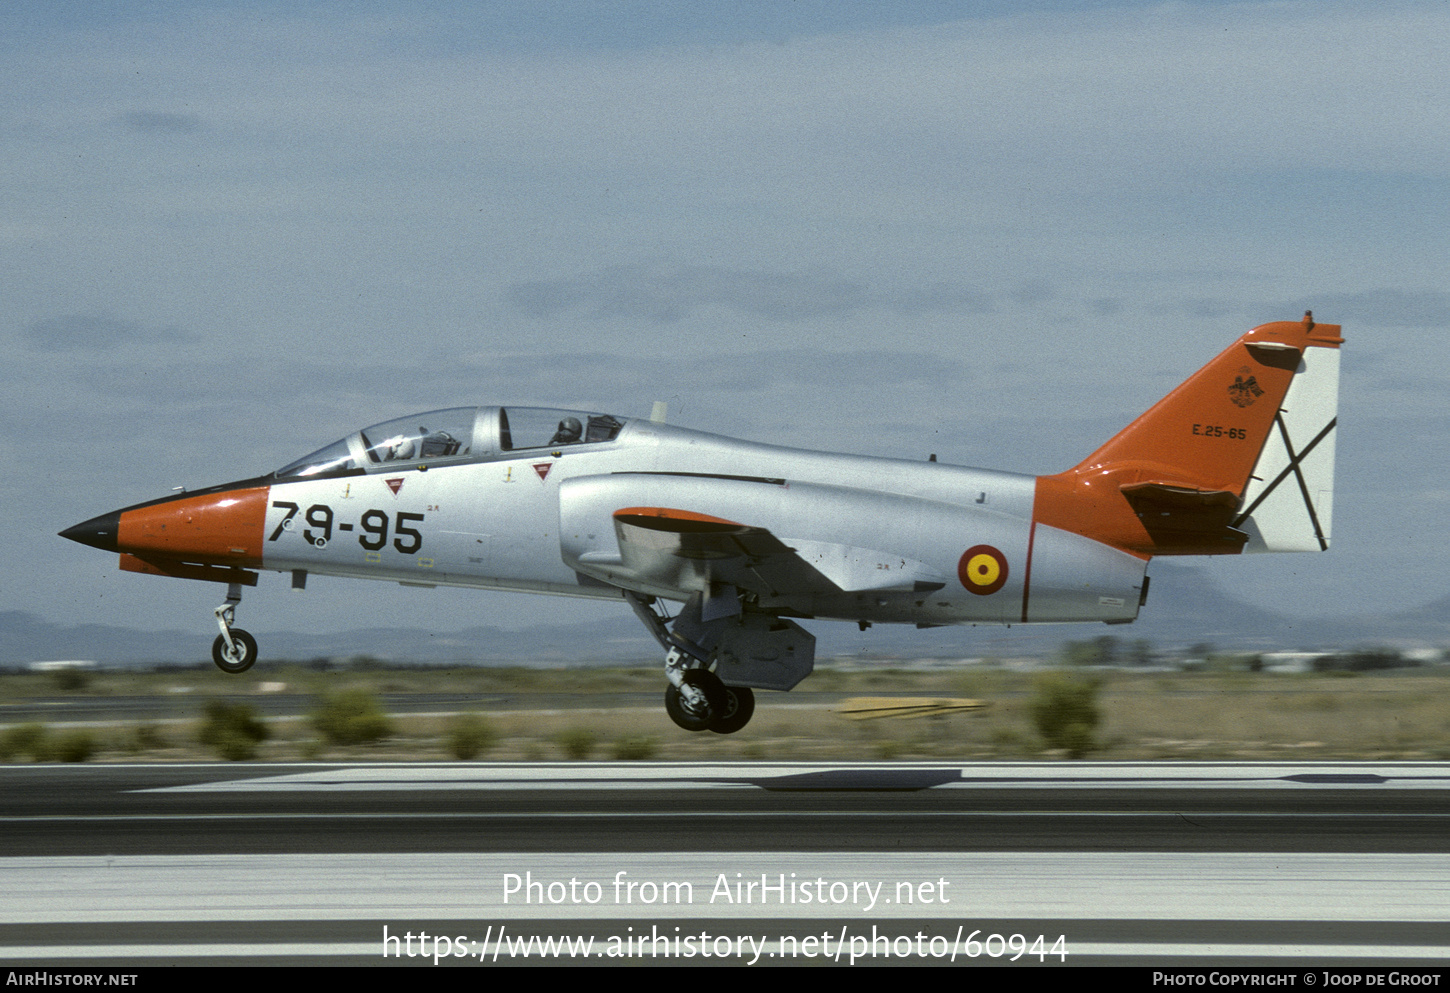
{"points": [[750, 538]]}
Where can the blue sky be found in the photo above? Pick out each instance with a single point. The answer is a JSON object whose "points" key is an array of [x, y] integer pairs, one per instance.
{"points": [[233, 233]]}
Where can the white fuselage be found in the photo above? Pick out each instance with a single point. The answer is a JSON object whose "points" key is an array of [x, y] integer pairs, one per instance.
{"points": [[890, 534]]}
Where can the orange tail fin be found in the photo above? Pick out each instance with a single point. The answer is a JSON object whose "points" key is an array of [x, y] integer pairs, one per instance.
{"points": [[1173, 482]]}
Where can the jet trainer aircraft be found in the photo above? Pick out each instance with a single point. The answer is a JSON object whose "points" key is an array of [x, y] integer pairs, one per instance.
{"points": [[749, 538]]}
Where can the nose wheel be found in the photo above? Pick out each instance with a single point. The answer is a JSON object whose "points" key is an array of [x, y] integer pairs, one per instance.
{"points": [[234, 650], [236, 657]]}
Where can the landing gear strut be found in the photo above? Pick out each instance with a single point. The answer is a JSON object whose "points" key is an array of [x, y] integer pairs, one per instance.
{"points": [[696, 699], [234, 650]]}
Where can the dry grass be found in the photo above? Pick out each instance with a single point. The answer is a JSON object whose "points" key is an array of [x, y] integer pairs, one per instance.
{"points": [[1232, 716], [1400, 716]]}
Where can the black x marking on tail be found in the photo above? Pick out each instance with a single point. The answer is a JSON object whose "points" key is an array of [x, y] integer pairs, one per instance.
{"points": [[1294, 460]]}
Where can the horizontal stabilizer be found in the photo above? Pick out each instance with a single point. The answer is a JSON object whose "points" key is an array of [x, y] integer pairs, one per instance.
{"points": [[1179, 495], [1181, 516]]}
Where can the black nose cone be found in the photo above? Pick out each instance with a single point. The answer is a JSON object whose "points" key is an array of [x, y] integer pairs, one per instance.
{"points": [[98, 532]]}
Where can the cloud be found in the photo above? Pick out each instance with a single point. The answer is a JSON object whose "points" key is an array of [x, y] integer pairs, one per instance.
{"points": [[162, 122], [643, 292], [578, 378], [94, 333], [749, 371], [1033, 292], [1384, 308], [1213, 309]]}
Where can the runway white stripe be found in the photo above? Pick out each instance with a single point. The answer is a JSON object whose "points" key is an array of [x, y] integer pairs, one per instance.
{"points": [[662, 775], [980, 886]]}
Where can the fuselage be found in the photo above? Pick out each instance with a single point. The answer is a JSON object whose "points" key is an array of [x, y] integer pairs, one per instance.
{"points": [[898, 541]]}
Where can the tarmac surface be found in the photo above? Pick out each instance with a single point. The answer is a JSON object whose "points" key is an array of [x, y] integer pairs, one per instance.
{"points": [[1145, 864]]}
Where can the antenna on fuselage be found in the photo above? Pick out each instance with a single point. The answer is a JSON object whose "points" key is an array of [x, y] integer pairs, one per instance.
{"points": [[657, 415]]}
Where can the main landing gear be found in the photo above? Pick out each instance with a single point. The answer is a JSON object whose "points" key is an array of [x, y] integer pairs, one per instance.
{"points": [[234, 649], [701, 702], [696, 699]]}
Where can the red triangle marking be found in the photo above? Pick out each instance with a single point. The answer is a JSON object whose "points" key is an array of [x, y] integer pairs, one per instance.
{"points": [[542, 468], [394, 484]]}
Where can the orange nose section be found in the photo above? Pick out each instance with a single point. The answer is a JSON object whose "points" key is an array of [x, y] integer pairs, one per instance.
{"points": [[216, 528]]}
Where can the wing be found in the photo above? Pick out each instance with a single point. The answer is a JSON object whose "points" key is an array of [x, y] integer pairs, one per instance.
{"points": [[676, 553], [733, 538], [688, 552]]}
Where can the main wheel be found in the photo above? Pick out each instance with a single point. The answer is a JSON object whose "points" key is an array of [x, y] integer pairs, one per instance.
{"points": [[716, 700], [738, 709], [234, 660]]}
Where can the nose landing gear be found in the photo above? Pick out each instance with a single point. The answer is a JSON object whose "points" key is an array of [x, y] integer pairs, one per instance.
{"points": [[234, 650]]}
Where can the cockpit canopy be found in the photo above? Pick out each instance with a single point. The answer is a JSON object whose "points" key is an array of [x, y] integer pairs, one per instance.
{"points": [[457, 434]]}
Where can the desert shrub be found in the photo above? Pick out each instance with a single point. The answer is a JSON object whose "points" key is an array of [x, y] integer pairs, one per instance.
{"points": [[1065, 712], [1361, 660], [888, 749], [1008, 738], [26, 739], [71, 680], [232, 730], [470, 736], [76, 746], [352, 717], [638, 748], [577, 742], [147, 737], [1102, 650]]}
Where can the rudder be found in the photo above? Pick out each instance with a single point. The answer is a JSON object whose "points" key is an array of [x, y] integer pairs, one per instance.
{"points": [[1289, 501]]}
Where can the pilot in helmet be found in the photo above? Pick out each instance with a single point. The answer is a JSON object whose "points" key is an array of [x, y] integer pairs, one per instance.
{"points": [[569, 431], [397, 447]]}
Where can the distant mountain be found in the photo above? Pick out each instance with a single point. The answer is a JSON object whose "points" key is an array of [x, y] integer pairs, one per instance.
{"points": [[1433, 620], [1185, 607], [27, 638]]}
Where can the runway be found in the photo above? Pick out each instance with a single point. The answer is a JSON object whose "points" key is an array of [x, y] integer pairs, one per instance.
{"points": [[1164, 864]]}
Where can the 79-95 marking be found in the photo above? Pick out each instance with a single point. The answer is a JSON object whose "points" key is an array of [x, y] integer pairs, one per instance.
{"points": [[375, 525]]}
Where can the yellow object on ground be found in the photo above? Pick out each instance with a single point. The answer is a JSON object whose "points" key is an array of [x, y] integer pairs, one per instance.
{"points": [[866, 708]]}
